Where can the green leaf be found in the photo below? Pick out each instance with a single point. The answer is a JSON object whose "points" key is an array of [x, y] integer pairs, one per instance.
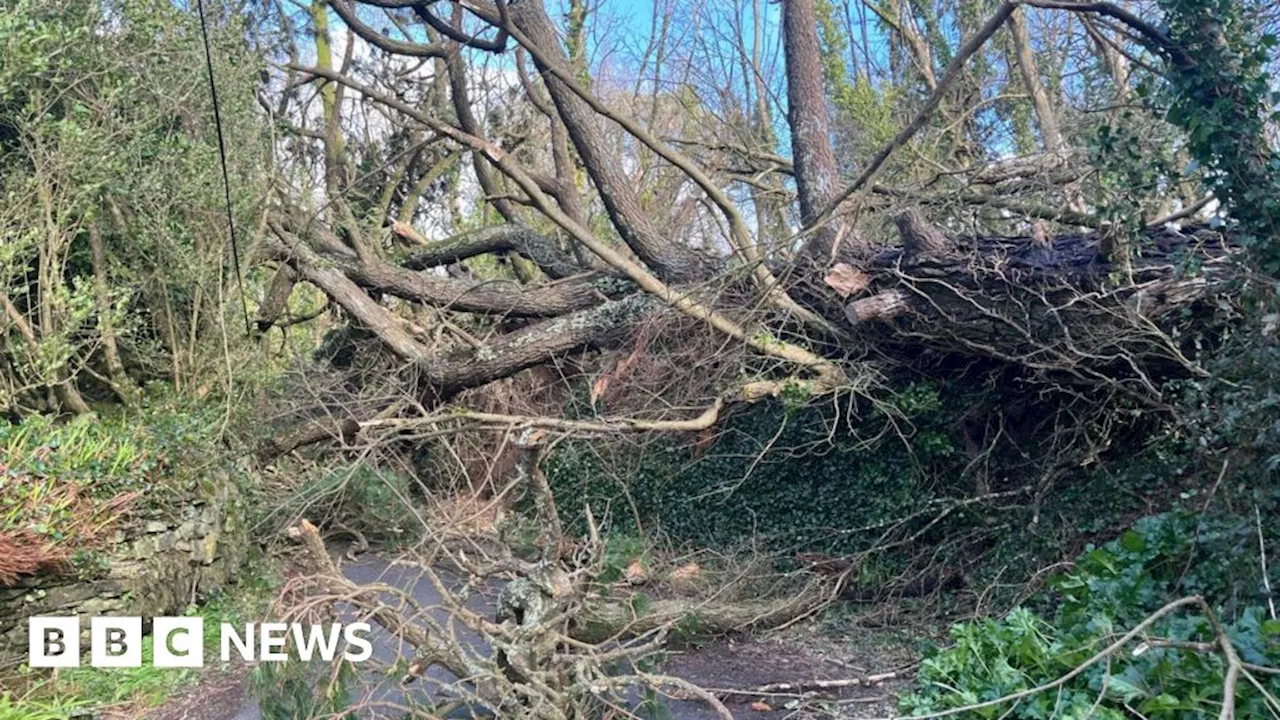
{"points": [[1133, 542]]}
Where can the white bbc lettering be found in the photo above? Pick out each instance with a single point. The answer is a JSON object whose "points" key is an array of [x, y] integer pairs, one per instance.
{"points": [[53, 642], [115, 642], [355, 634], [178, 642], [243, 643], [271, 640], [310, 639]]}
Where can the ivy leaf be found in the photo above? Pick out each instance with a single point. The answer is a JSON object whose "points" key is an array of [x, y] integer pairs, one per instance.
{"points": [[1124, 690]]}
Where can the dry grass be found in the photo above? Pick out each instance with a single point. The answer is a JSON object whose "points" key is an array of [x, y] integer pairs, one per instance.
{"points": [[23, 552], [59, 522]]}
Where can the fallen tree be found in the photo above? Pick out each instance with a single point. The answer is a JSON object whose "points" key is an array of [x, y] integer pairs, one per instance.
{"points": [[1085, 309], [1092, 308], [601, 231], [1100, 309]]}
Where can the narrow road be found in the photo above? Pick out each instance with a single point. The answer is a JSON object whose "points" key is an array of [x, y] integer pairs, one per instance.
{"points": [[746, 662]]}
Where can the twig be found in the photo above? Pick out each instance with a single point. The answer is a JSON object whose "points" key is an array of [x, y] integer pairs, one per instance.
{"points": [[656, 682], [809, 685], [1233, 664], [1262, 558]]}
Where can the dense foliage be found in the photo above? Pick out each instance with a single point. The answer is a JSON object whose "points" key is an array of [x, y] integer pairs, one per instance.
{"points": [[1174, 669], [1220, 94], [113, 244], [799, 478], [67, 489]]}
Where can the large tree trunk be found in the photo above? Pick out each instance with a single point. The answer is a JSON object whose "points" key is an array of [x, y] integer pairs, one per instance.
{"points": [[814, 160], [1058, 306], [1046, 116], [673, 261]]}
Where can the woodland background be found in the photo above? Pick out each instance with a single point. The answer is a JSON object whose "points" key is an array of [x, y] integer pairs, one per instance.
{"points": [[965, 310]]}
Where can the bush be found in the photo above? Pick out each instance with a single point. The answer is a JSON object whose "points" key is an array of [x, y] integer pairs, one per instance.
{"points": [[784, 477], [65, 487], [1110, 590], [379, 503]]}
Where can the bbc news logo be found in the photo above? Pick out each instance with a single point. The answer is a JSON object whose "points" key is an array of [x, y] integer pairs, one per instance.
{"points": [[54, 642]]}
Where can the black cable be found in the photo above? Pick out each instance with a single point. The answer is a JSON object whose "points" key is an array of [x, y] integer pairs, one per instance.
{"points": [[222, 154]]}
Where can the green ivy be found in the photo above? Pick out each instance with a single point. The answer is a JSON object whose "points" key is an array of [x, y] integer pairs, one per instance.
{"points": [[1109, 590], [1219, 93], [816, 481]]}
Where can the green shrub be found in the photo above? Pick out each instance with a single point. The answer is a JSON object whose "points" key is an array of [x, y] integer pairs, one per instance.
{"points": [[296, 689], [1110, 590], [380, 503], [65, 486]]}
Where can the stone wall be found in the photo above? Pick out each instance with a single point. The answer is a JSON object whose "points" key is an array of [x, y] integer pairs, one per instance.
{"points": [[157, 564]]}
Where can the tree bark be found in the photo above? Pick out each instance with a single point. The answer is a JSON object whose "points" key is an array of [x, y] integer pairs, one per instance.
{"points": [[63, 390], [671, 260], [122, 385], [812, 155], [504, 355], [489, 297], [276, 301], [1046, 116], [496, 239], [1117, 63], [898, 17]]}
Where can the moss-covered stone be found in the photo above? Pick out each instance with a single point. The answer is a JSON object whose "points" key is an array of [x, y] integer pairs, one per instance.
{"points": [[153, 568]]}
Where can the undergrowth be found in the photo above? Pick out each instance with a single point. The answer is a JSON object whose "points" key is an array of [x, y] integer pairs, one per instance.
{"points": [[381, 504], [65, 487], [1174, 670], [781, 476]]}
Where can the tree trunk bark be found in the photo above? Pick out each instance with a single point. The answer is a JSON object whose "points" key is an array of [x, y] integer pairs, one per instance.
{"points": [[121, 384], [814, 160], [1046, 116], [673, 261]]}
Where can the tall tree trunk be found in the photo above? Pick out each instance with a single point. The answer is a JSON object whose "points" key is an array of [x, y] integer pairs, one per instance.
{"points": [[1117, 63], [120, 382], [63, 391], [673, 261], [333, 145], [1046, 117], [460, 96], [49, 284], [576, 40], [899, 17], [812, 155]]}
